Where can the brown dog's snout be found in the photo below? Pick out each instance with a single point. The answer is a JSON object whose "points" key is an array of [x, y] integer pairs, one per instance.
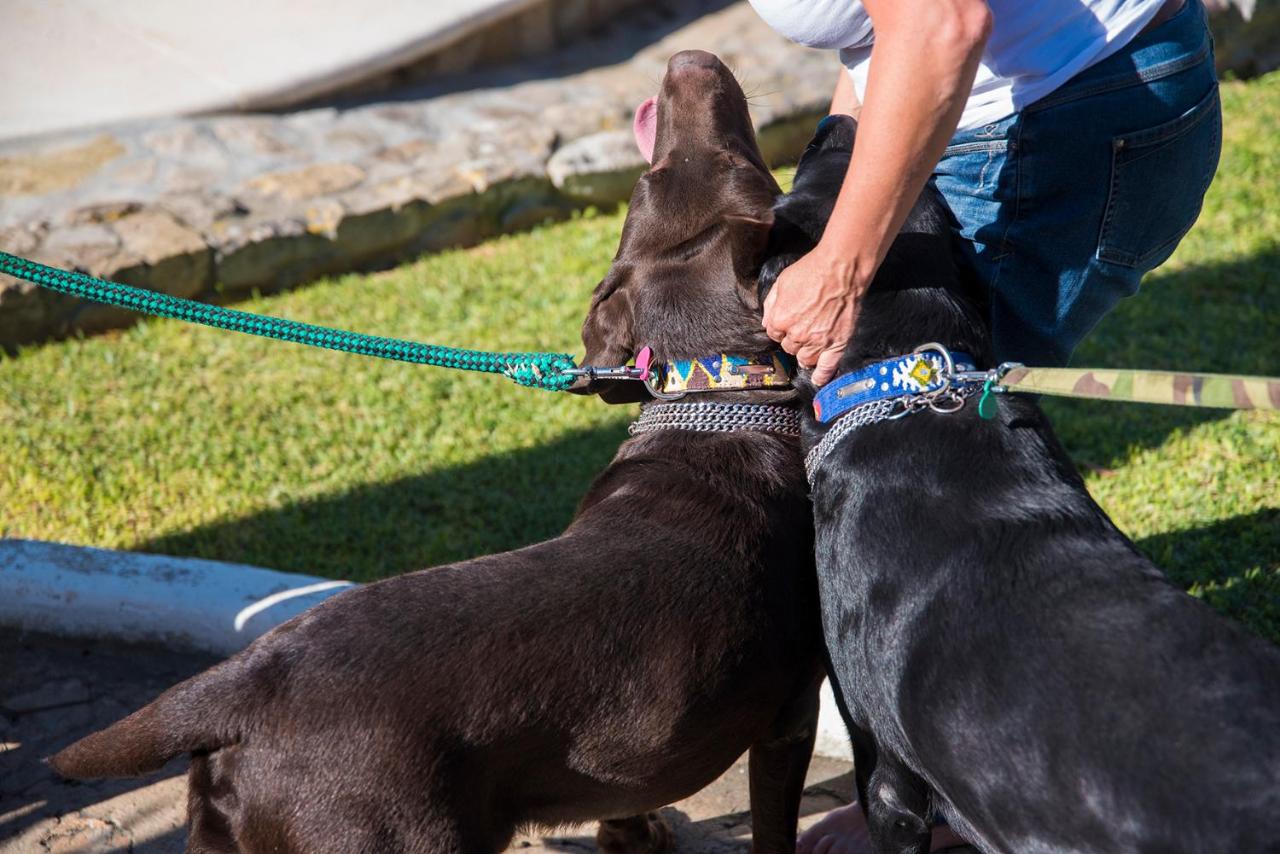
{"points": [[700, 105], [692, 60]]}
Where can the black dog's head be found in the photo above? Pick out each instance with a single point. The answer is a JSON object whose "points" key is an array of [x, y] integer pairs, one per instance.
{"points": [[922, 291], [800, 217], [684, 279]]}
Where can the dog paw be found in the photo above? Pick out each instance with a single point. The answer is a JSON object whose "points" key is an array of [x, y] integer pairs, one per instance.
{"points": [[639, 834]]}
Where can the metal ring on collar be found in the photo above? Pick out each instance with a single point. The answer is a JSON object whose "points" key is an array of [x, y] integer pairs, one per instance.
{"points": [[654, 384], [949, 365]]}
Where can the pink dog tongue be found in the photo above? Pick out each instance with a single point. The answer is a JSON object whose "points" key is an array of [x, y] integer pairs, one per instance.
{"points": [[645, 127]]}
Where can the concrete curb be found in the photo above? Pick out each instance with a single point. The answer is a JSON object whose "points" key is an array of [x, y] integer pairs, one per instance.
{"points": [[196, 604]]}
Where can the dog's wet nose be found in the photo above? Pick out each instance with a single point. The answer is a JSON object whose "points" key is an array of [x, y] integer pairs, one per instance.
{"points": [[689, 60]]}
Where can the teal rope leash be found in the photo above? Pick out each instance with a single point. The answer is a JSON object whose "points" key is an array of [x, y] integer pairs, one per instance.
{"points": [[547, 371]]}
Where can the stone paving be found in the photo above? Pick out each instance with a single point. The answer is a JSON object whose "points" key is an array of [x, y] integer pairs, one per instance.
{"points": [[220, 206], [53, 691]]}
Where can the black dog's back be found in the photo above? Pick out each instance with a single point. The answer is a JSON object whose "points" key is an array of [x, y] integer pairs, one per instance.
{"points": [[995, 639]]}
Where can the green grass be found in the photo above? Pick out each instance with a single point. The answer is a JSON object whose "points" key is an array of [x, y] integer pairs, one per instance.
{"points": [[168, 438]]}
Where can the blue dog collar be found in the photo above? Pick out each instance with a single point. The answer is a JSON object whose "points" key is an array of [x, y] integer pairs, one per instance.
{"points": [[900, 376]]}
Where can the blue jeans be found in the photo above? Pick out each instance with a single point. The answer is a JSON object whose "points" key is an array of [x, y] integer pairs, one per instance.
{"points": [[1065, 205]]}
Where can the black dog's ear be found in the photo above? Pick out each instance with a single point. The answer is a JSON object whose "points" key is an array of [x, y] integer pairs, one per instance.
{"points": [[787, 244], [801, 215], [609, 339], [835, 132]]}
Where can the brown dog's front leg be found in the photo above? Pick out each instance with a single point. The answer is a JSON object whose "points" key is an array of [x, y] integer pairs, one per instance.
{"points": [[639, 834], [777, 771]]}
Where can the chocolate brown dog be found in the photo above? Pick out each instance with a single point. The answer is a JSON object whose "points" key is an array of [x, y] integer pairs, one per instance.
{"points": [[599, 675]]}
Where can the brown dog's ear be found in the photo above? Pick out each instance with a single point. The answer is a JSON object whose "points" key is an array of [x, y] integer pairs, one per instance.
{"points": [[752, 228], [607, 335], [750, 236]]}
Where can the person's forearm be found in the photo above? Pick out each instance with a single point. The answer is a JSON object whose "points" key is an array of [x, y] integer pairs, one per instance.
{"points": [[844, 100], [910, 110]]}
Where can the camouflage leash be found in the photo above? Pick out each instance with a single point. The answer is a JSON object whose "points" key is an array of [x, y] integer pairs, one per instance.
{"points": [[931, 377], [1177, 388]]}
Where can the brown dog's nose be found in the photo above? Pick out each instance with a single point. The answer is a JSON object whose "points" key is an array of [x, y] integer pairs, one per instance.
{"points": [[688, 60]]}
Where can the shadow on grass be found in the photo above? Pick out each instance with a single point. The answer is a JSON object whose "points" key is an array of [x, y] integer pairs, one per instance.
{"points": [[492, 505], [1220, 318], [1234, 565]]}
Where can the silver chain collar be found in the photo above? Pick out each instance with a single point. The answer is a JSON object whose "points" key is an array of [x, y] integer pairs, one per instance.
{"points": [[882, 410], [717, 418]]}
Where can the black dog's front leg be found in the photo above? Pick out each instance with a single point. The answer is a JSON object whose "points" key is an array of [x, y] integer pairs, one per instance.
{"points": [[897, 808]]}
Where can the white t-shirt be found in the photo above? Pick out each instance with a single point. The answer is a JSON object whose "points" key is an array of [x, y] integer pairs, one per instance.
{"points": [[1035, 45]]}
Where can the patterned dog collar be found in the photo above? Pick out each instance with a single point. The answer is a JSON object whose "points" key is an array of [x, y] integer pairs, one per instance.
{"points": [[704, 417], [921, 372], [721, 372]]}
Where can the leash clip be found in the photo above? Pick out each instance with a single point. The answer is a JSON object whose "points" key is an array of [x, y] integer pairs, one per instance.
{"points": [[989, 380], [642, 371], [950, 396], [594, 372], [639, 371], [993, 376]]}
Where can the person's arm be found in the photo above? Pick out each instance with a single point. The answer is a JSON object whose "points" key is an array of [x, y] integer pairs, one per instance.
{"points": [[922, 69], [844, 100]]}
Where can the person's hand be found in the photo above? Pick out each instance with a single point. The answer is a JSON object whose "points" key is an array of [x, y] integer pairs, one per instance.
{"points": [[812, 308]]}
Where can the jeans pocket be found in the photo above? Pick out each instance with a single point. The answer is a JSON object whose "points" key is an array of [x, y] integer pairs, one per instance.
{"points": [[1158, 180]]}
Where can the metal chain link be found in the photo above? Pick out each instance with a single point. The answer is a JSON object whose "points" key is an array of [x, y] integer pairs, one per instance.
{"points": [[717, 418], [882, 410]]}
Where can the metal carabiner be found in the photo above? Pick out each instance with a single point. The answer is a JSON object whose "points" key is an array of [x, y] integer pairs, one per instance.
{"points": [[621, 372], [994, 376]]}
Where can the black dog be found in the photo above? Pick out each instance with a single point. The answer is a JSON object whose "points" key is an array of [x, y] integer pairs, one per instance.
{"points": [[1004, 654], [599, 675]]}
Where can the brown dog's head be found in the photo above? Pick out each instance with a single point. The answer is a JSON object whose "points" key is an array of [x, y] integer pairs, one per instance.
{"points": [[684, 279]]}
